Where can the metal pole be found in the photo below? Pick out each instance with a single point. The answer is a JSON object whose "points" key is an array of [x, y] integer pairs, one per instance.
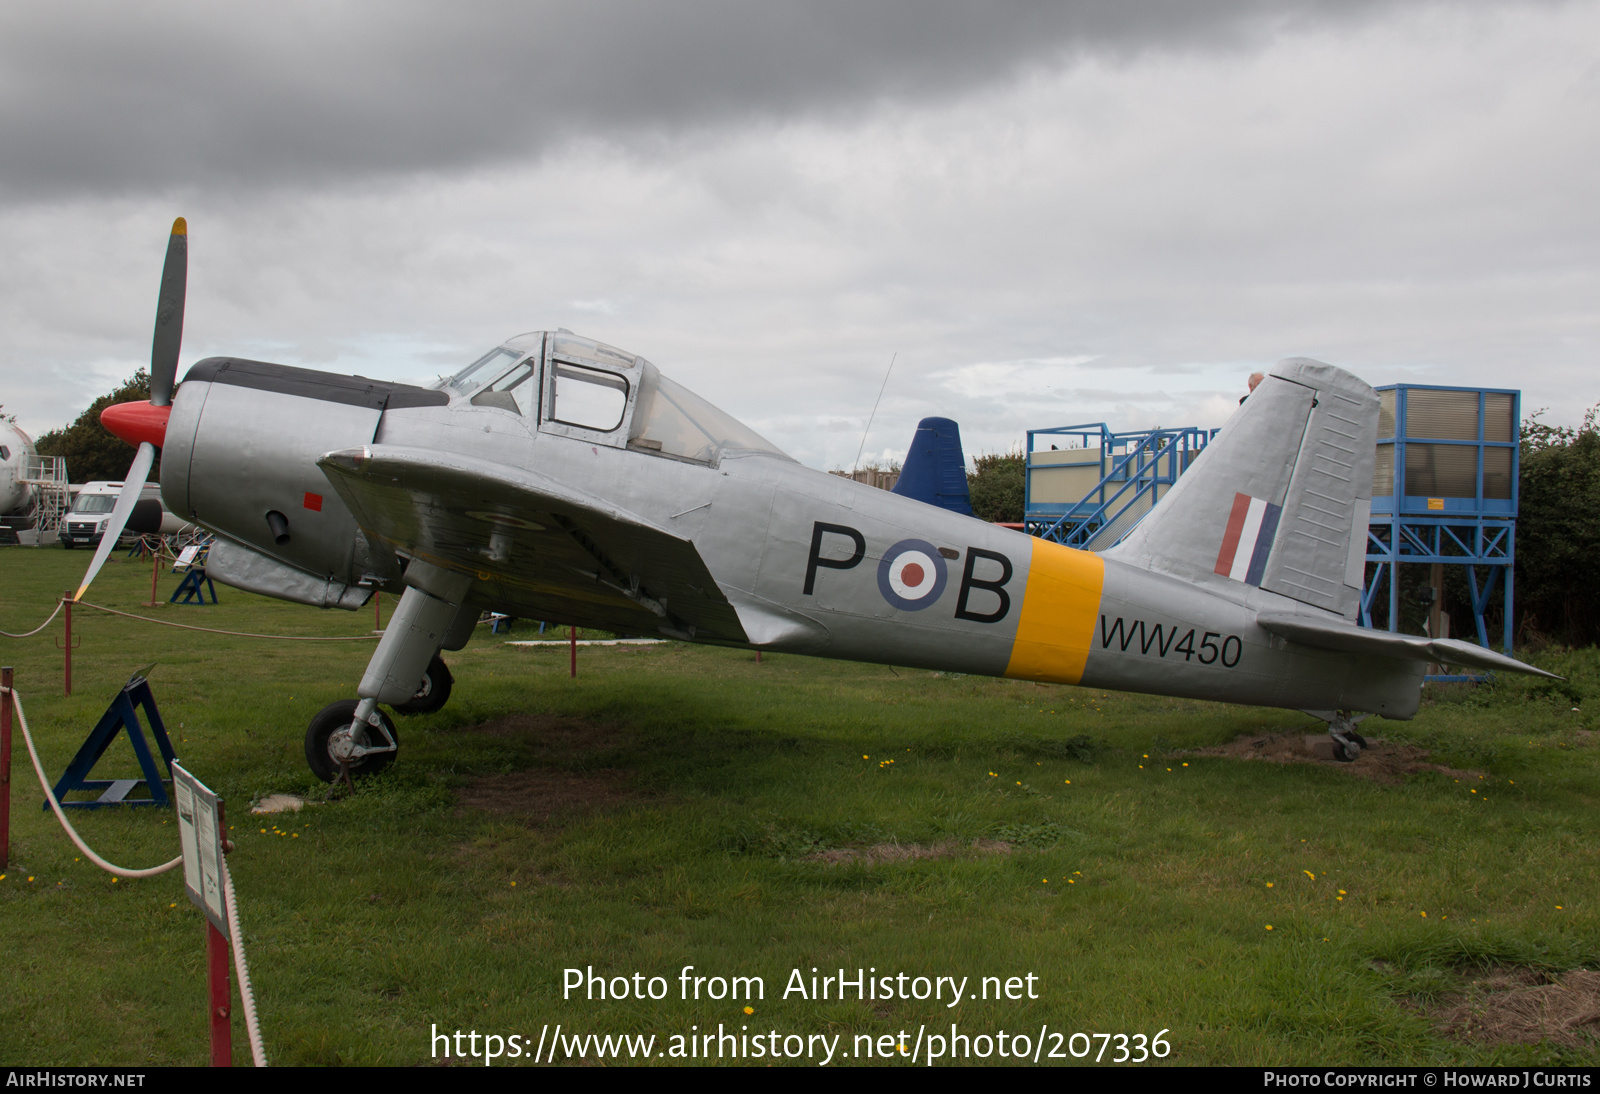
{"points": [[377, 610], [573, 637], [219, 993], [66, 671], [155, 568], [5, 769], [218, 997]]}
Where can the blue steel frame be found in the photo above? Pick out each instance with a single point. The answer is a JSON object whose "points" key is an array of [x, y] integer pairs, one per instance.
{"points": [[1132, 466], [1468, 532]]}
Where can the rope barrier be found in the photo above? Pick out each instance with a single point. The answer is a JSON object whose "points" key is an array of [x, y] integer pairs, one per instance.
{"points": [[247, 995], [236, 634], [40, 627], [241, 969], [109, 867]]}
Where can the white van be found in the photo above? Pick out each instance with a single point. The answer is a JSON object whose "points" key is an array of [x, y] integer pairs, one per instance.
{"points": [[85, 522]]}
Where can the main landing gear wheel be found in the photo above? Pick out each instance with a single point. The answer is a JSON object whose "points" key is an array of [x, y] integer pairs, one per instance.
{"points": [[329, 736], [434, 691]]}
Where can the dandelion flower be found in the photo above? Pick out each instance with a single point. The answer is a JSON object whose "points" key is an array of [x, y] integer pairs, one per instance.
{"points": [[1269, 926], [749, 1010], [1269, 884]]}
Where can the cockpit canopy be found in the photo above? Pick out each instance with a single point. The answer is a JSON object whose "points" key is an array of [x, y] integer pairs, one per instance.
{"points": [[598, 393]]}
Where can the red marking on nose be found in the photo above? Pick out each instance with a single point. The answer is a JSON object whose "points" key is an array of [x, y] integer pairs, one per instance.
{"points": [[911, 576], [314, 502], [137, 423]]}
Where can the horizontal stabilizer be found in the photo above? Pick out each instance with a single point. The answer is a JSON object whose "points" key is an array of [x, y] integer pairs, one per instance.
{"points": [[1344, 638]]}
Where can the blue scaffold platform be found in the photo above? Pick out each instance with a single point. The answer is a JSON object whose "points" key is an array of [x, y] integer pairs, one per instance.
{"points": [[1444, 493], [122, 714], [1087, 487]]}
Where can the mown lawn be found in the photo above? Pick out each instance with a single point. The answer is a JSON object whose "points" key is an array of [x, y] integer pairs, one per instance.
{"points": [[680, 806]]}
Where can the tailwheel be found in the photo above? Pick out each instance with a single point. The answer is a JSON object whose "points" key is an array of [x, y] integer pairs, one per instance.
{"points": [[1350, 749], [432, 693], [334, 741]]}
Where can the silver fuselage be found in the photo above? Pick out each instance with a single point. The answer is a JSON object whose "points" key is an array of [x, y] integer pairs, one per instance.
{"points": [[801, 555]]}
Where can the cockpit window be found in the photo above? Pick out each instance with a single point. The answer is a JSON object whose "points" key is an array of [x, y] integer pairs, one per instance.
{"points": [[671, 420], [480, 372], [588, 397], [5, 453], [516, 391]]}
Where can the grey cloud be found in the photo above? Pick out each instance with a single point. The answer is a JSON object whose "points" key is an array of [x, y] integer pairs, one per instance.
{"points": [[112, 97]]}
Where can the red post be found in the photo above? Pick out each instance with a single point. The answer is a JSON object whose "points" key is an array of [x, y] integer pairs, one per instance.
{"points": [[5, 769], [219, 993], [758, 657], [573, 634], [218, 998]]}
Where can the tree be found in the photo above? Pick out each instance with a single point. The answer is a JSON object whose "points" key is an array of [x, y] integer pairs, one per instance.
{"points": [[997, 486], [90, 449], [1558, 530]]}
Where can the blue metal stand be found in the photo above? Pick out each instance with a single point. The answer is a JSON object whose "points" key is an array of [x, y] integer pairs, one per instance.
{"points": [[193, 588], [1092, 493], [122, 714], [1446, 494]]}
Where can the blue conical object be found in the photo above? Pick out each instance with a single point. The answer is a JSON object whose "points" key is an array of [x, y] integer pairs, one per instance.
{"points": [[935, 470]]}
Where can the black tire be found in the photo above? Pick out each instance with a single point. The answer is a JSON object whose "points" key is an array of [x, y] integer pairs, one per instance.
{"points": [[329, 720], [1349, 753], [434, 692]]}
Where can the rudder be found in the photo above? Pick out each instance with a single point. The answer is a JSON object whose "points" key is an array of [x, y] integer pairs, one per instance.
{"points": [[1280, 499]]}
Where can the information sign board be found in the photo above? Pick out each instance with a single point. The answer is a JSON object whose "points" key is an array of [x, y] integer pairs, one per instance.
{"points": [[202, 845]]}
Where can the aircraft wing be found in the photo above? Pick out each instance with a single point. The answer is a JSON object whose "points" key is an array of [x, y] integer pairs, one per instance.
{"points": [[532, 543], [1345, 638]]}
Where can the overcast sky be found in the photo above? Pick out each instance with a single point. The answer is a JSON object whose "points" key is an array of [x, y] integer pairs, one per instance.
{"points": [[1044, 213]]}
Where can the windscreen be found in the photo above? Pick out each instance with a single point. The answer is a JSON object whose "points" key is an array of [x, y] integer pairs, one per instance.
{"points": [[94, 503], [481, 371]]}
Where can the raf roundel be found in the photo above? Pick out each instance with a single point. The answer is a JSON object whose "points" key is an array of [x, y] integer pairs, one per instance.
{"points": [[912, 575]]}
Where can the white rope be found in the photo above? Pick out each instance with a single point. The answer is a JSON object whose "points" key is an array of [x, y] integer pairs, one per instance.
{"points": [[109, 867], [236, 634], [241, 969], [247, 995], [40, 627]]}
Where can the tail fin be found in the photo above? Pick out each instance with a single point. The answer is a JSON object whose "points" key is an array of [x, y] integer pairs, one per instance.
{"points": [[1280, 499], [936, 470]]}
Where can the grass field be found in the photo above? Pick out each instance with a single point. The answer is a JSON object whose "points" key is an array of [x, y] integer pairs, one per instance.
{"points": [[678, 806]]}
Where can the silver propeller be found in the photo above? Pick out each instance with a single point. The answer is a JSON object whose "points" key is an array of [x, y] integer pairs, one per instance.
{"points": [[163, 377]]}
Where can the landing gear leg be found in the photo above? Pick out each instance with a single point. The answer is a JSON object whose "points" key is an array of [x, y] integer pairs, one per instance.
{"points": [[355, 737]]}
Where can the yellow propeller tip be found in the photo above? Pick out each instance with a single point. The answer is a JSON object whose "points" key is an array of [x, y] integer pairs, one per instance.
{"points": [[180, 227]]}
